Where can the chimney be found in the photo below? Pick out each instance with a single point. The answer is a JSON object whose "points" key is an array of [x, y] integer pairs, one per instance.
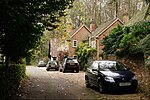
{"points": [[125, 16], [92, 24]]}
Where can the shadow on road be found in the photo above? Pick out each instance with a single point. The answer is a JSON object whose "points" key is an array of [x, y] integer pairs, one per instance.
{"points": [[115, 92]]}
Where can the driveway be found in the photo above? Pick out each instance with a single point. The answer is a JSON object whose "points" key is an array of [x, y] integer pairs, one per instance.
{"points": [[52, 84]]}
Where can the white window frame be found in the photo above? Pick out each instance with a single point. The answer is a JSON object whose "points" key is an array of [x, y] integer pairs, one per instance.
{"points": [[75, 43]]}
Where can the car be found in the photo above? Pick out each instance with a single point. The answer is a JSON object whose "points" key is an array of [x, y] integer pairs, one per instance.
{"points": [[52, 65], [41, 63], [70, 64], [109, 75]]}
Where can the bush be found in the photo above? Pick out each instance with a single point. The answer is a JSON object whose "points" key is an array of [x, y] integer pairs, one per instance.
{"points": [[84, 52], [10, 78]]}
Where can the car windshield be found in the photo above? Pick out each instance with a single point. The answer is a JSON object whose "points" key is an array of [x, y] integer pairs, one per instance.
{"points": [[111, 66], [53, 62], [72, 60]]}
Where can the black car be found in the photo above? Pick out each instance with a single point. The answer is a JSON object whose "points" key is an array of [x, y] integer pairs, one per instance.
{"points": [[70, 64], [52, 65], [110, 75]]}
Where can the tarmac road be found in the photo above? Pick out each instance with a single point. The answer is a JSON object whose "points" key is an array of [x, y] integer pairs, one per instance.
{"points": [[53, 85]]}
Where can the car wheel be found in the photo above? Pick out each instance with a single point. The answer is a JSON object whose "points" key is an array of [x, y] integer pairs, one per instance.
{"points": [[47, 69], [77, 71], [60, 70], [87, 84], [64, 70], [100, 87], [72, 71], [57, 69]]}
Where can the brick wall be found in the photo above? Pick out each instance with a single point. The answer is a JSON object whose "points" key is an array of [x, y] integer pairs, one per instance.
{"points": [[81, 35]]}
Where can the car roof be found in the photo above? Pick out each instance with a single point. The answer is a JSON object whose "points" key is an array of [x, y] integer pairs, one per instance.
{"points": [[69, 58], [52, 60], [112, 61], [41, 61]]}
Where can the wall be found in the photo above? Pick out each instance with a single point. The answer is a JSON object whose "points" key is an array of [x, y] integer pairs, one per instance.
{"points": [[81, 35]]}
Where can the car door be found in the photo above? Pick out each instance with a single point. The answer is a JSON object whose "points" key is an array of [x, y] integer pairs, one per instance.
{"points": [[93, 73]]}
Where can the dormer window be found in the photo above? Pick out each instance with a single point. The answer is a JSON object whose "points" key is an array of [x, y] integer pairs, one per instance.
{"points": [[75, 43]]}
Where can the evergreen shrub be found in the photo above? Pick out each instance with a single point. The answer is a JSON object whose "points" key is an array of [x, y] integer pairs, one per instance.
{"points": [[10, 78]]}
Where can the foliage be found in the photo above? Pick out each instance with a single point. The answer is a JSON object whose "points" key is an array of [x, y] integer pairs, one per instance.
{"points": [[112, 41], [77, 13], [84, 52], [147, 1], [130, 42], [126, 40], [22, 23], [145, 44], [102, 10], [41, 51], [10, 78]]}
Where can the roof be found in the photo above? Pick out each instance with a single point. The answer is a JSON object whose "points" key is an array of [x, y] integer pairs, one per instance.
{"points": [[105, 26], [78, 29], [140, 16]]}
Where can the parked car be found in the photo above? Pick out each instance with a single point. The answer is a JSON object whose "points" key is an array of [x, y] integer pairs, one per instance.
{"points": [[52, 65], [70, 64], [110, 75], [41, 64]]}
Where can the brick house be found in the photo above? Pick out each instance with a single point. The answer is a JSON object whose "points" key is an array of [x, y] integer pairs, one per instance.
{"points": [[102, 31], [82, 33]]}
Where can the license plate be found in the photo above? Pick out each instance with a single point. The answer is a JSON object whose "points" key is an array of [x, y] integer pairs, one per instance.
{"points": [[72, 64], [52, 65], [125, 84]]}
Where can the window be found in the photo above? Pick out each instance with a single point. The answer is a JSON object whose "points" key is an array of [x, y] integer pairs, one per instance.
{"points": [[93, 44], [94, 65], [75, 43]]}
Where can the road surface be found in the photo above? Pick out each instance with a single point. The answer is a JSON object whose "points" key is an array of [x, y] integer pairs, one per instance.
{"points": [[53, 85]]}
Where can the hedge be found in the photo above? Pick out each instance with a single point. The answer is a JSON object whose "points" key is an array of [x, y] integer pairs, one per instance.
{"points": [[10, 78]]}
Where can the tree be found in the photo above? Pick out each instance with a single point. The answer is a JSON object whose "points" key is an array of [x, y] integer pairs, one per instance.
{"points": [[103, 10], [147, 1], [22, 23], [41, 51]]}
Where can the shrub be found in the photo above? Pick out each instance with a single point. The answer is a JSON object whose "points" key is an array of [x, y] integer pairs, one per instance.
{"points": [[84, 52], [10, 78]]}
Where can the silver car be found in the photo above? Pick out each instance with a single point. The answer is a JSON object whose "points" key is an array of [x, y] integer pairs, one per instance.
{"points": [[52, 65], [41, 64]]}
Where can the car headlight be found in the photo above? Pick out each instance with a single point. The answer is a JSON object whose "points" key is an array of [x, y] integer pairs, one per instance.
{"points": [[109, 79], [134, 78]]}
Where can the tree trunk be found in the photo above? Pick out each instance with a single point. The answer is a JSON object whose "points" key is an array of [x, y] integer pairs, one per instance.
{"points": [[147, 12], [7, 61], [116, 8]]}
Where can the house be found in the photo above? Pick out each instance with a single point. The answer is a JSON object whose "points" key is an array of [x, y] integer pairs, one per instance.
{"points": [[102, 31], [58, 49], [82, 33]]}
